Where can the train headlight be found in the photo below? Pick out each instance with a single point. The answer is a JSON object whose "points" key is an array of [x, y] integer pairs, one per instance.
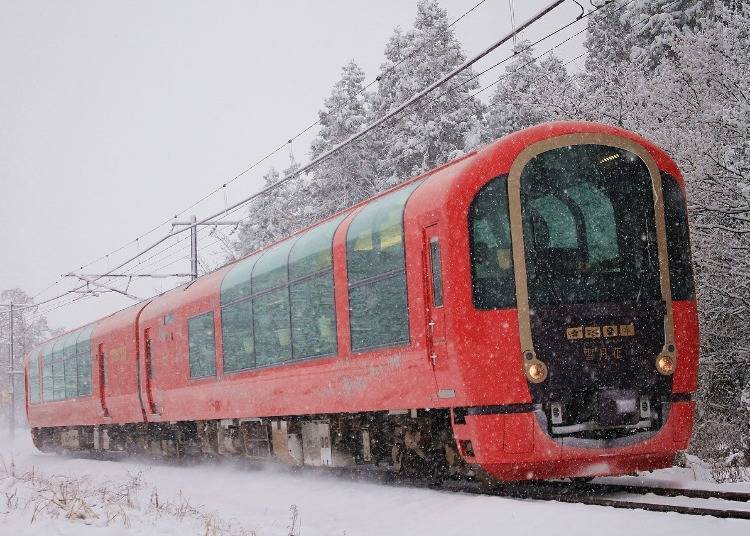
{"points": [[665, 364], [536, 371]]}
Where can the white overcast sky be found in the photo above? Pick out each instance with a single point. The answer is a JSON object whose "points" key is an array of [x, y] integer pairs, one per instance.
{"points": [[114, 116]]}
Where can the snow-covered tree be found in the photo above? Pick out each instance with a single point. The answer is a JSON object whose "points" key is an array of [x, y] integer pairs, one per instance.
{"points": [[530, 92], [426, 135], [641, 31], [348, 176], [272, 215], [29, 329], [696, 104]]}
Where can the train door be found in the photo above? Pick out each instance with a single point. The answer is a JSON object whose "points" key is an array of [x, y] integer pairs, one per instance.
{"points": [[148, 372], [102, 379], [436, 336]]}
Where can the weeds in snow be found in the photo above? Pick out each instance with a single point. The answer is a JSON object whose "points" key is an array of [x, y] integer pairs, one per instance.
{"points": [[78, 499]]}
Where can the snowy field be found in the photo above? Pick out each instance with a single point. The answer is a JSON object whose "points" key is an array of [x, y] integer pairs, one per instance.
{"points": [[43, 494]]}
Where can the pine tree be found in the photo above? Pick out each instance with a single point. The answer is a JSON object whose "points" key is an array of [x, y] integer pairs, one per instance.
{"points": [[272, 215], [348, 176], [423, 136], [696, 106], [641, 31], [529, 93], [507, 112], [29, 330]]}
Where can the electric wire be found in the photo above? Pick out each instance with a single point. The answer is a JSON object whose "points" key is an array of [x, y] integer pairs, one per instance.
{"points": [[238, 206], [415, 98], [270, 154]]}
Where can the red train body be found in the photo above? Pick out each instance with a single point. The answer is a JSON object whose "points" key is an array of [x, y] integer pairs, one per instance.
{"points": [[571, 375]]}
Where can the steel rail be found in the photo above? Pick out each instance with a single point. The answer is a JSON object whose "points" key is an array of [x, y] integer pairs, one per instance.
{"points": [[590, 494]]}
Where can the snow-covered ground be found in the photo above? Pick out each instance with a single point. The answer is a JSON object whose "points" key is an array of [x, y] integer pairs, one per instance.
{"points": [[43, 494]]}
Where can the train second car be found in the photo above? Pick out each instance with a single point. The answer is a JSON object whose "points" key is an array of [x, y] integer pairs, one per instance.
{"points": [[524, 312]]}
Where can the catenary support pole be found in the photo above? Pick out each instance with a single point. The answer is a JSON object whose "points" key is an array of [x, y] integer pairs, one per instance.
{"points": [[11, 380], [193, 248], [193, 224]]}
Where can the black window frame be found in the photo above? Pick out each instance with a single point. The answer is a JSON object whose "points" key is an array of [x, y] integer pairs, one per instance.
{"points": [[479, 302], [681, 272]]}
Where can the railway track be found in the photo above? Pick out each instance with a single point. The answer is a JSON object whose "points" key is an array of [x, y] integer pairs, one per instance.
{"points": [[625, 496], [634, 497]]}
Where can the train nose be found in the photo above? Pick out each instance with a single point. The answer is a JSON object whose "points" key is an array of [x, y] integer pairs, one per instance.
{"points": [[618, 407]]}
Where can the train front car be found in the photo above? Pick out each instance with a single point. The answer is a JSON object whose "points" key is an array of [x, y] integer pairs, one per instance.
{"points": [[581, 249]]}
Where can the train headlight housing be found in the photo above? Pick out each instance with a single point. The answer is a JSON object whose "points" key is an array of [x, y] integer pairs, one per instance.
{"points": [[666, 364], [536, 371]]}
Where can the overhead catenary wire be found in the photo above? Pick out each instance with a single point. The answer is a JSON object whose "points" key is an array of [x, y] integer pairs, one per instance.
{"points": [[229, 210], [235, 207], [415, 98], [223, 187]]}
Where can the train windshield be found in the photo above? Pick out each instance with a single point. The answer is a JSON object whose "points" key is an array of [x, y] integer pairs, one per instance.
{"points": [[589, 227]]}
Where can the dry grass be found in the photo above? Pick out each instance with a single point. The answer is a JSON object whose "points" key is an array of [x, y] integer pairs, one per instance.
{"points": [[78, 499]]}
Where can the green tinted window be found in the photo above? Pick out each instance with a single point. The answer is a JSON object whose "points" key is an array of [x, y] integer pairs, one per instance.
{"points": [[678, 240], [271, 324], [611, 255], [83, 349], [58, 371], [47, 374], [598, 216], [376, 270], [312, 252], [492, 279], [202, 345], [554, 223], [237, 336], [271, 269], [34, 377], [378, 313], [374, 240], [236, 283], [70, 366], [313, 316]]}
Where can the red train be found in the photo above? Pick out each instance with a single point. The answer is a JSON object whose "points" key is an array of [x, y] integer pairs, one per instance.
{"points": [[526, 311]]}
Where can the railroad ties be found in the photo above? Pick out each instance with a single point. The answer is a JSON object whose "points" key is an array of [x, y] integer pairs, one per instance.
{"points": [[631, 497]]}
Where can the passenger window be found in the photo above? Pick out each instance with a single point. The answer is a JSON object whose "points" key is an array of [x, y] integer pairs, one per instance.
{"points": [[202, 355], [311, 292], [376, 271], [47, 374], [291, 282], [237, 336], [271, 321], [492, 278], [678, 240], [34, 377], [58, 371], [271, 269], [273, 342], [83, 351], [70, 366], [236, 284], [437, 275]]}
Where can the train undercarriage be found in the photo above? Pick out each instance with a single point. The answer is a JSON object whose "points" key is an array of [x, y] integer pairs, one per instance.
{"points": [[413, 442]]}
